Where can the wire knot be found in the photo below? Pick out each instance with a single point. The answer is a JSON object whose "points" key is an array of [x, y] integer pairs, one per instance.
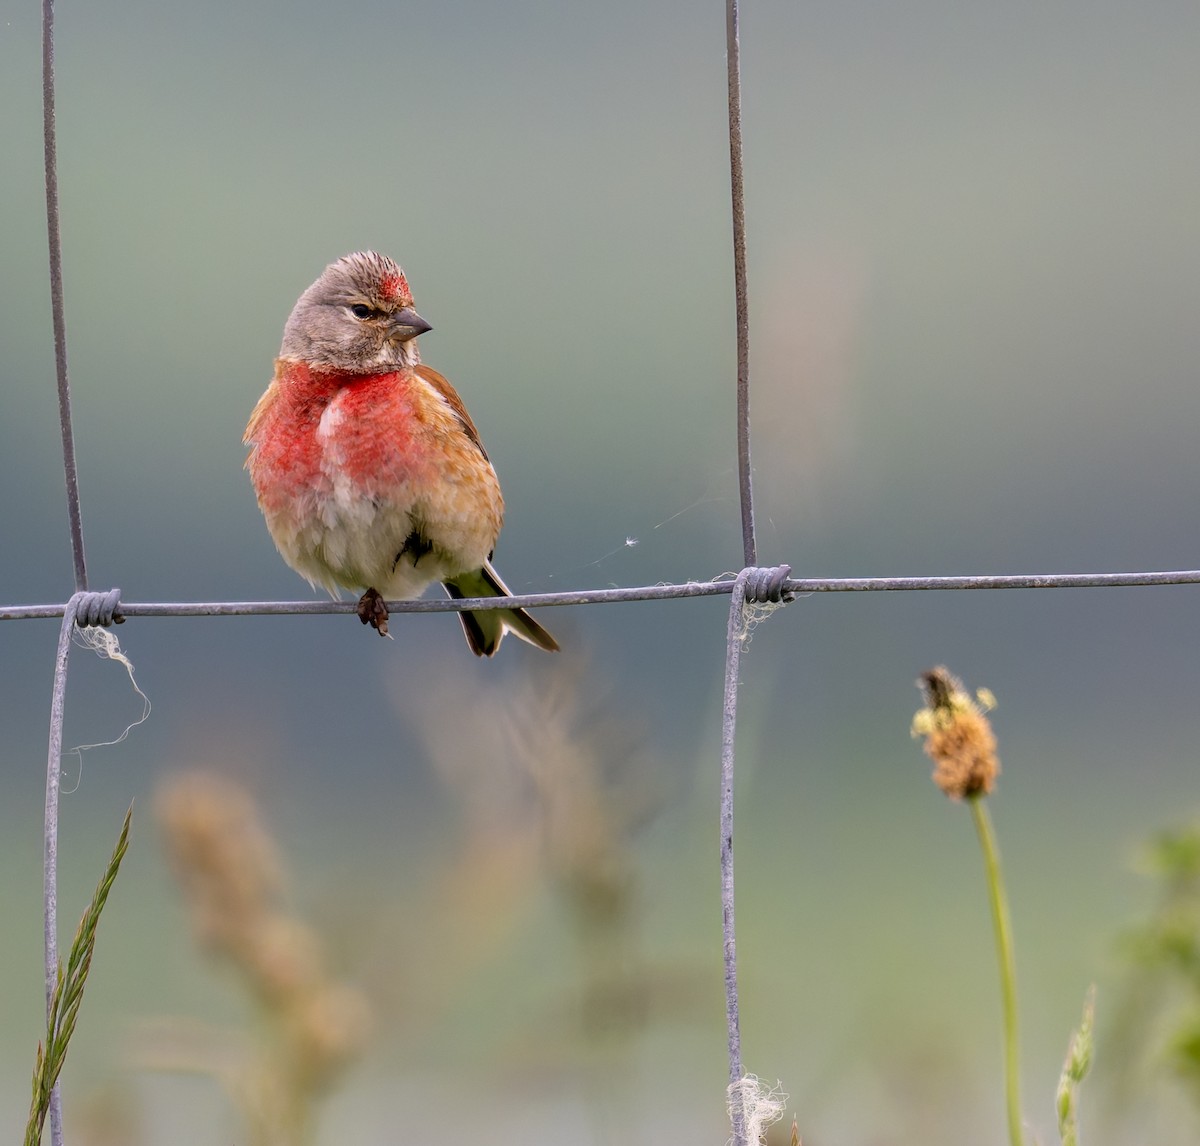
{"points": [[98, 609], [765, 585]]}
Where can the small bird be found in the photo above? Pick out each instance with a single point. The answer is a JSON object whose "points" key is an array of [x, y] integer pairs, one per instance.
{"points": [[367, 466]]}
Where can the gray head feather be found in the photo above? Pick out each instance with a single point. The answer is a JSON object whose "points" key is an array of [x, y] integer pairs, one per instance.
{"points": [[346, 321]]}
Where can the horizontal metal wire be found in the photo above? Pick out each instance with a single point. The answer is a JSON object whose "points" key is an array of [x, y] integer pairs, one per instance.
{"points": [[794, 585]]}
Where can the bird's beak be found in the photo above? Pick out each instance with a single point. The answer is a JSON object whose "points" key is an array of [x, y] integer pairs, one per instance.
{"points": [[407, 324]]}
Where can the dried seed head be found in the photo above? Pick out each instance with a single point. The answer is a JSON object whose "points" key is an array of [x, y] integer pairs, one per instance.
{"points": [[228, 866], [232, 876], [282, 958], [327, 1030], [958, 736]]}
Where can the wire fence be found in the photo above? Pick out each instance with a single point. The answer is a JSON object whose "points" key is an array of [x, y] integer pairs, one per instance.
{"points": [[750, 587], [792, 586]]}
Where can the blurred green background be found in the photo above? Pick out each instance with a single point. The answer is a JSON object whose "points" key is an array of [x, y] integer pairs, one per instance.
{"points": [[974, 274]]}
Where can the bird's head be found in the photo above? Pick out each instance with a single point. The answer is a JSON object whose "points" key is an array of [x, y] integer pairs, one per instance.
{"points": [[357, 317]]}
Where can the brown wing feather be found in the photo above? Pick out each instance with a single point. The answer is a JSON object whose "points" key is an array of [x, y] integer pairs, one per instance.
{"points": [[443, 387]]}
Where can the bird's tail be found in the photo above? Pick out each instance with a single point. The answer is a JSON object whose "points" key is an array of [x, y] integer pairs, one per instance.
{"points": [[486, 629]]}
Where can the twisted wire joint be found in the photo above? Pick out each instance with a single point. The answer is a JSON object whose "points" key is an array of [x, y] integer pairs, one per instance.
{"points": [[98, 609], [767, 585]]}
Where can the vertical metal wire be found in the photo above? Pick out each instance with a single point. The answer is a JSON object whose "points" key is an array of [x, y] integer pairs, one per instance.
{"points": [[736, 627], [735, 636], [56, 296], [58, 699], [50, 838], [745, 484]]}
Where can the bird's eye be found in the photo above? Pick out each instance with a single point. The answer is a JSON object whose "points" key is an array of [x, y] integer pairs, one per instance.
{"points": [[360, 310]]}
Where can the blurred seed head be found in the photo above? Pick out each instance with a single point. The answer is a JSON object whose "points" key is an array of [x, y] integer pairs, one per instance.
{"points": [[553, 780], [282, 957], [327, 1028], [231, 874], [228, 868], [958, 736]]}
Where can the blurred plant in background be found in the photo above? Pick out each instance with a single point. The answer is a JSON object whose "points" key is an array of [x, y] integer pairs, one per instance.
{"points": [[107, 1115], [553, 784], [312, 1027], [1157, 1034]]}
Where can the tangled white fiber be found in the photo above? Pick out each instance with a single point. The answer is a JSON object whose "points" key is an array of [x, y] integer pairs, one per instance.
{"points": [[103, 643], [758, 1104]]}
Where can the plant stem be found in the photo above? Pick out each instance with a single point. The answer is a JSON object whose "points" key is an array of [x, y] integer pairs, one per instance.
{"points": [[1008, 967]]}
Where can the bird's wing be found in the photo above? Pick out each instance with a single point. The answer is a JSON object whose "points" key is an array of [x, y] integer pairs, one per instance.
{"points": [[450, 395]]}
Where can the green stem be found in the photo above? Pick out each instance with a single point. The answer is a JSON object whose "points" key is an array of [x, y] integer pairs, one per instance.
{"points": [[1008, 967]]}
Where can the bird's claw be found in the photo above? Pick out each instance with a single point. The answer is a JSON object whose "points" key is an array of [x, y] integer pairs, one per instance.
{"points": [[373, 611]]}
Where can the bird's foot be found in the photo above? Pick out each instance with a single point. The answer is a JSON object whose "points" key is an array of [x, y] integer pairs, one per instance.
{"points": [[373, 611]]}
